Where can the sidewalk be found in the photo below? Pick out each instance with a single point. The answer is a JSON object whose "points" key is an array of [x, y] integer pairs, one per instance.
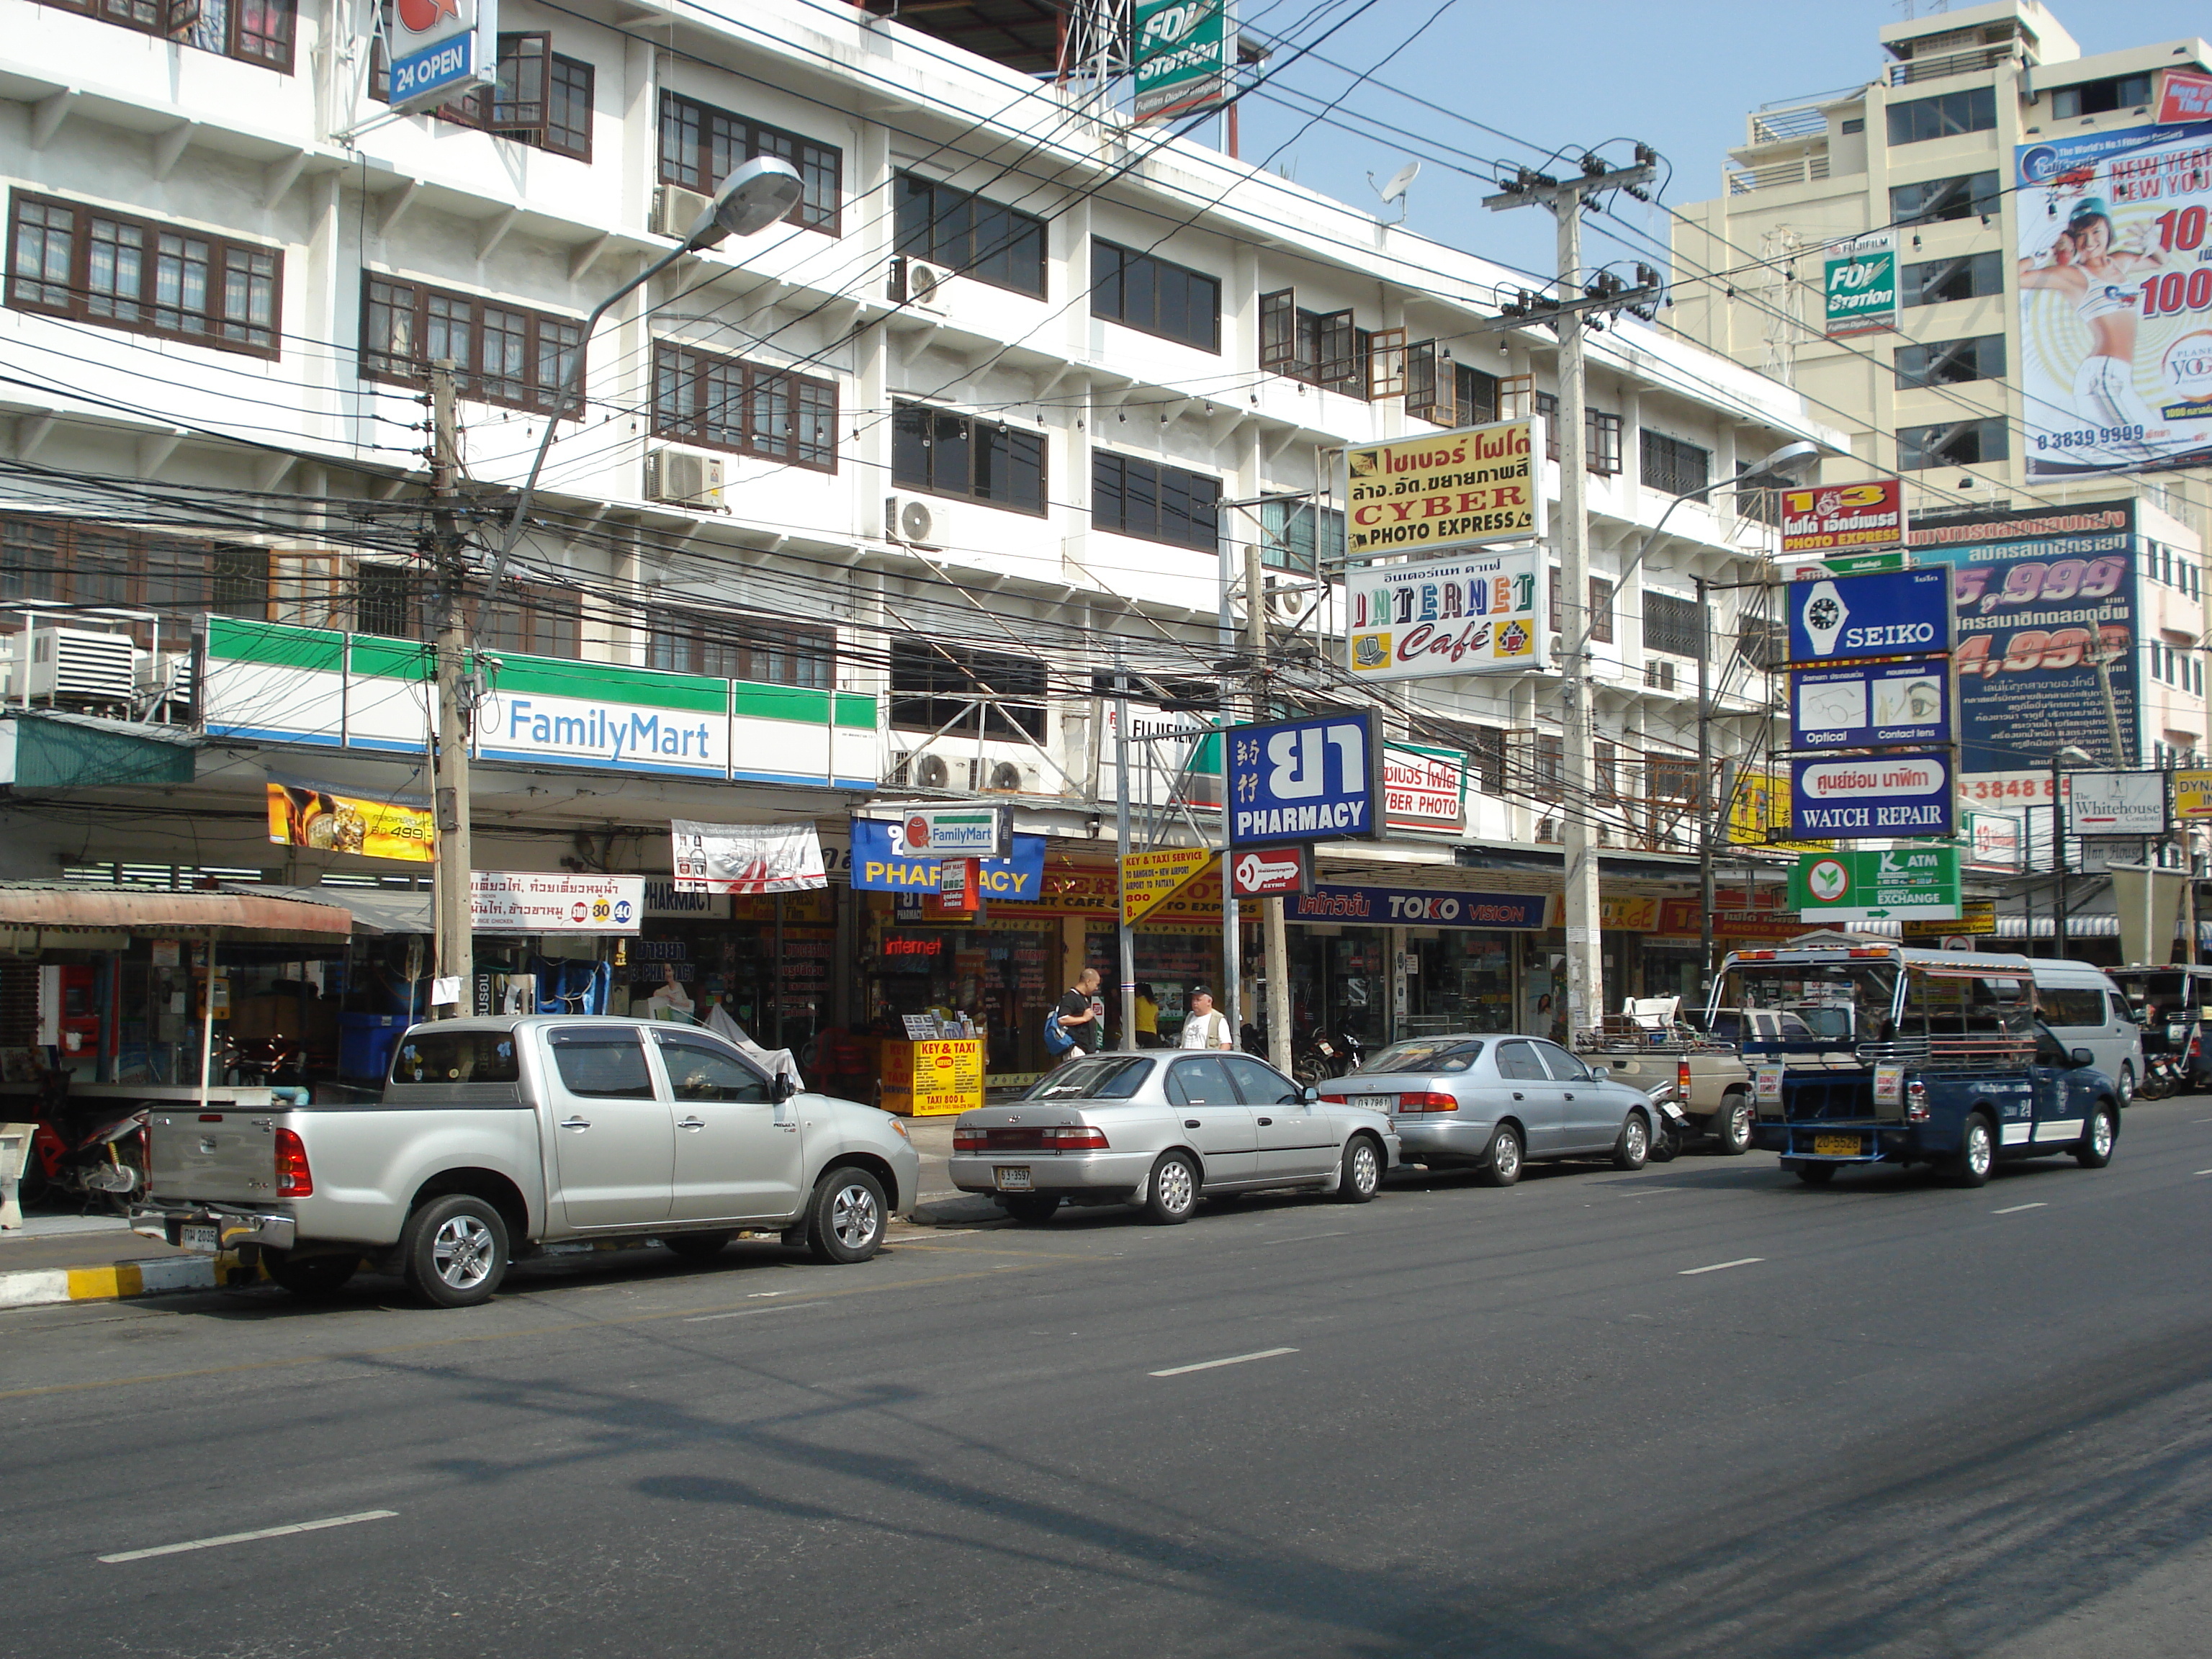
{"points": [[72, 1258]]}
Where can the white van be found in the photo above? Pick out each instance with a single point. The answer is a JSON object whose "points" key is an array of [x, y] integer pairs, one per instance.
{"points": [[2082, 1005]]}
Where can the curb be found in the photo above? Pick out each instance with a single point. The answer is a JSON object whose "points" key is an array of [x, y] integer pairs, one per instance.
{"points": [[114, 1281], [965, 1211]]}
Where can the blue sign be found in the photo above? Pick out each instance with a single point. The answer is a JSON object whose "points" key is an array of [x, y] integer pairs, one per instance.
{"points": [[1417, 906], [449, 65], [1863, 796], [1315, 779], [1871, 704], [1891, 613], [881, 864]]}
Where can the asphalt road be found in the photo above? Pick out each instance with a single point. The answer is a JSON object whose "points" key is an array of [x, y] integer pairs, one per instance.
{"points": [[1909, 1421]]}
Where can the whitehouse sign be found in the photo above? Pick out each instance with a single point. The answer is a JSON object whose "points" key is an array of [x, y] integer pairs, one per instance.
{"points": [[1905, 794], [438, 50]]}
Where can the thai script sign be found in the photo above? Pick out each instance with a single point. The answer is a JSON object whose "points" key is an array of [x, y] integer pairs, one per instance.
{"points": [[1470, 488], [1835, 518], [1902, 795], [1315, 779], [532, 902], [1468, 613]]}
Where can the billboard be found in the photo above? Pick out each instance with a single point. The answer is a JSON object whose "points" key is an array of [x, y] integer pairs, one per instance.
{"points": [[1871, 704], [1471, 488], [1840, 518], [2036, 590], [1424, 788], [1859, 280], [1181, 56], [1315, 779], [1465, 613], [308, 815], [1893, 613], [441, 48], [1914, 882], [1863, 796], [2116, 803], [2115, 307]]}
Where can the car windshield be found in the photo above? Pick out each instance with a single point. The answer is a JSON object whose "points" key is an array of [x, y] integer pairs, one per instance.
{"points": [[1103, 1077], [1426, 1055]]}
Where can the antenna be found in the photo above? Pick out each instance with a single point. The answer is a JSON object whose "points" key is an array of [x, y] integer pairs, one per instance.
{"points": [[1401, 181]]}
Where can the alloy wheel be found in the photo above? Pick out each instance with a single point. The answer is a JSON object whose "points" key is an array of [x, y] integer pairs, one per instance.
{"points": [[464, 1252], [854, 1216]]}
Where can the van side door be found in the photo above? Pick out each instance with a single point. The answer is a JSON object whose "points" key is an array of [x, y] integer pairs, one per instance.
{"points": [[614, 1140]]}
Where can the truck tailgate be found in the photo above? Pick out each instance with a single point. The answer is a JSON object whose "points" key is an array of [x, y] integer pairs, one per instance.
{"points": [[213, 1157]]}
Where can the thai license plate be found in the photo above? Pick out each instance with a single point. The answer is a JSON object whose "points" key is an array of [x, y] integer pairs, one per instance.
{"points": [[1377, 1102], [1837, 1146], [197, 1238], [1013, 1177]]}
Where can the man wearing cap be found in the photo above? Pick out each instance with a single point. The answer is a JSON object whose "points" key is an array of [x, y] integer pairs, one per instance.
{"points": [[1205, 1026]]}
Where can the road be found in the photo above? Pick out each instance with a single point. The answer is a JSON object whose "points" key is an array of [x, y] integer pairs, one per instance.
{"points": [[1908, 1419]]}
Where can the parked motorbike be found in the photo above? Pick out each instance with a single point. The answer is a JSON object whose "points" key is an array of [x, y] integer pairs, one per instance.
{"points": [[1317, 1056], [93, 1152], [2162, 1076], [1670, 1128]]}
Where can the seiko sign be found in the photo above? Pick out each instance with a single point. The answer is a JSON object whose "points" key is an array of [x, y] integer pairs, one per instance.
{"points": [[1891, 613]]}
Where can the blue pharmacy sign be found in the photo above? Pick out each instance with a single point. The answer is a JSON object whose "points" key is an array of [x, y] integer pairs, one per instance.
{"points": [[1872, 705], [1891, 613], [1319, 778], [1844, 798], [882, 863]]}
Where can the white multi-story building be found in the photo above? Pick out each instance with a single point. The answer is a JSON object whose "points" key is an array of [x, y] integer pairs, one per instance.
{"points": [[901, 476]]}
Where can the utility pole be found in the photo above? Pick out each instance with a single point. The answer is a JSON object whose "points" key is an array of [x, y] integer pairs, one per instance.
{"points": [[1275, 950], [1566, 197], [1704, 786], [1128, 940], [449, 755]]}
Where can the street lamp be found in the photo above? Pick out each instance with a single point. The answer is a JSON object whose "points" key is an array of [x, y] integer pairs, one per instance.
{"points": [[2071, 757]]}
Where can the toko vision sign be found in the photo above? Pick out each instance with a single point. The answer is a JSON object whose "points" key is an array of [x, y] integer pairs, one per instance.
{"points": [[1315, 779], [1893, 613]]}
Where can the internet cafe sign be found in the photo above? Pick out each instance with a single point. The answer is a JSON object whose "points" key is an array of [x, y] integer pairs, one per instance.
{"points": [[1860, 285]]}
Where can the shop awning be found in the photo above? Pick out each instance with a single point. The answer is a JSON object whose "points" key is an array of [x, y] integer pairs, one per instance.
{"points": [[374, 909], [48, 748], [158, 913]]}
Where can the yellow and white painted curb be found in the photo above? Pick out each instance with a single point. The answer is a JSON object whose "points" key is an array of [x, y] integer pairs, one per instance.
{"points": [[33, 1287]]}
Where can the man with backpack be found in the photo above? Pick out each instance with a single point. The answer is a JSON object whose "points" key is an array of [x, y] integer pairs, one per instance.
{"points": [[1080, 1016]]}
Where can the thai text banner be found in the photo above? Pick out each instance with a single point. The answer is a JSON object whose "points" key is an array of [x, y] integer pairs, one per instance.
{"points": [[1471, 488], [1872, 795]]}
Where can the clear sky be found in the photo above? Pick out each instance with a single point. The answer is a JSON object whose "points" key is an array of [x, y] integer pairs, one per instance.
{"points": [[1681, 76]]}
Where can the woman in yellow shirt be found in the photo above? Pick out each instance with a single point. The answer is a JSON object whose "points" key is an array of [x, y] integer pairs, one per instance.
{"points": [[1148, 1017]]}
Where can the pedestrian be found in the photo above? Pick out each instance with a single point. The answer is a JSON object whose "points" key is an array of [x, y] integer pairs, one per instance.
{"points": [[1148, 1016], [1082, 1012], [1205, 1027]]}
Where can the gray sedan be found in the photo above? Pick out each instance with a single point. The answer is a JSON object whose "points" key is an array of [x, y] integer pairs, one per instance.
{"points": [[1493, 1102], [1161, 1131]]}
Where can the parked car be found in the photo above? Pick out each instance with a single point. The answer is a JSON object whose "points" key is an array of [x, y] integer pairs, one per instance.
{"points": [[1495, 1103], [2085, 1009], [1162, 1131], [495, 1137]]}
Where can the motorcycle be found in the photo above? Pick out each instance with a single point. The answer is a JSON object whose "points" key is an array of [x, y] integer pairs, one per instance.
{"points": [[1318, 1058], [2162, 1076], [1670, 1127], [94, 1152]]}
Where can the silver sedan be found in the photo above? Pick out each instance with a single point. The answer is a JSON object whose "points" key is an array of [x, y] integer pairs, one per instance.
{"points": [[1161, 1131], [1494, 1102]]}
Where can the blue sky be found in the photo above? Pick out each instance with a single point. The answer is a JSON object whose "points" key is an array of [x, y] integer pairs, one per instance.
{"points": [[1680, 77]]}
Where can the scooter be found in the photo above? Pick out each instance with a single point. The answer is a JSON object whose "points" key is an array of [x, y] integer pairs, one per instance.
{"points": [[91, 1153], [2162, 1076], [1318, 1058], [1670, 1127]]}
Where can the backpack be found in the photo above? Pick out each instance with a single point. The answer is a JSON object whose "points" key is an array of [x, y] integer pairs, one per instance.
{"points": [[1058, 1039]]}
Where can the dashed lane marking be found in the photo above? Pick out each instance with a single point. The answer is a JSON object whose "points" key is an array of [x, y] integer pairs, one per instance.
{"points": [[2016, 1208], [1740, 1261], [250, 1537], [747, 1313], [1215, 1365]]}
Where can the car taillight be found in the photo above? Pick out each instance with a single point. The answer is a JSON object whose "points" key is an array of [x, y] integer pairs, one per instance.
{"points": [[1427, 1102], [1916, 1101], [1075, 1138], [1682, 1076], [293, 1178], [1336, 1100], [971, 1140]]}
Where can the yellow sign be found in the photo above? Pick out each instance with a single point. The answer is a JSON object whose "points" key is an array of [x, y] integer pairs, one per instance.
{"points": [[1629, 915], [1975, 916], [2192, 796], [948, 1076], [1466, 489], [299, 816], [1147, 879], [1762, 803]]}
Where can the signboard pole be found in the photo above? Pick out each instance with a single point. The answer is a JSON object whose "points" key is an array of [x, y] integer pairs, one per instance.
{"points": [[1275, 958], [1127, 938]]}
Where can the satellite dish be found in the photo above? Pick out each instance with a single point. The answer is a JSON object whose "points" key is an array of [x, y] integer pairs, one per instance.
{"points": [[1401, 181]]}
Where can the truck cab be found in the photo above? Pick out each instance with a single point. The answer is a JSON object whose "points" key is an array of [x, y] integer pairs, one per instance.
{"points": [[1927, 1057]]}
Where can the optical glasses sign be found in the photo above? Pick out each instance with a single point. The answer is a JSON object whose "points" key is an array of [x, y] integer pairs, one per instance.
{"points": [[1898, 613], [437, 49], [1871, 704]]}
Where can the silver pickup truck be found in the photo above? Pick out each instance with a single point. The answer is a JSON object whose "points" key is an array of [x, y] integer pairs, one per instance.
{"points": [[496, 1138]]}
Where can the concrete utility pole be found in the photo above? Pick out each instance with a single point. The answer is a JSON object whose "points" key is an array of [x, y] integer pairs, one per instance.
{"points": [[1585, 956], [1128, 940], [1275, 950], [449, 755]]}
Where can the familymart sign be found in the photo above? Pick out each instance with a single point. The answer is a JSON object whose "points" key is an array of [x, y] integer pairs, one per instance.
{"points": [[1861, 284]]}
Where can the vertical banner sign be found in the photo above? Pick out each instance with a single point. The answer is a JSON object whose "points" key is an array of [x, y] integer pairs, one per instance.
{"points": [[2038, 592], [1860, 285], [2115, 302], [1181, 56], [1315, 779], [439, 49], [1842, 517]]}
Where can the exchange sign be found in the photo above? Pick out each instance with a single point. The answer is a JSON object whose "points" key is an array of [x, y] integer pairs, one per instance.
{"points": [[1900, 885], [1466, 613], [1871, 704], [1860, 285], [1315, 779], [1471, 488], [1836, 518], [1181, 56], [1901, 794], [1849, 618]]}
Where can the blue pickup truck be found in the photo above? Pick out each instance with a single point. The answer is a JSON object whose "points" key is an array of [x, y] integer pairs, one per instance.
{"points": [[1910, 1056]]}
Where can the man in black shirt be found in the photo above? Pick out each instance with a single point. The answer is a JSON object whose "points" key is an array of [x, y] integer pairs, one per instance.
{"points": [[1082, 1015]]}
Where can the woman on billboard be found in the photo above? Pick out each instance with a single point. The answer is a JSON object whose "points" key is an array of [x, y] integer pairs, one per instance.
{"points": [[2089, 265]]}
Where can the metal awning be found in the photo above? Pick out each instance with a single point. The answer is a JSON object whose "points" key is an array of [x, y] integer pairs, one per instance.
{"points": [[372, 909], [154, 912]]}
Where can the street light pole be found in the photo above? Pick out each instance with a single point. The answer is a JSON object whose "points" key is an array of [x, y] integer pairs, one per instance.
{"points": [[2062, 759]]}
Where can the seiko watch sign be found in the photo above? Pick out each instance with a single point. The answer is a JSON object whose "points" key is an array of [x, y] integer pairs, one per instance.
{"points": [[1893, 613], [1315, 779], [439, 49]]}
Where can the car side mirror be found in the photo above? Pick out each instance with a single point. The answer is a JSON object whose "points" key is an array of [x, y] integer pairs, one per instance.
{"points": [[784, 1088], [2082, 1057], [1310, 1093], [1601, 1072]]}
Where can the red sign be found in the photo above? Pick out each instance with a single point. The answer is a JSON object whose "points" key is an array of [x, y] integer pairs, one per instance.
{"points": [[2184, 96], [1271, 872], [1841, 518]]}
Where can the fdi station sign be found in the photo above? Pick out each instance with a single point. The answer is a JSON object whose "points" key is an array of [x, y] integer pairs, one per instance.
{"points": [[1897, 884], [1871, 704], [1860, 285], [1181, 56], [1894, 613], [1319, 778], [1864, 796]]}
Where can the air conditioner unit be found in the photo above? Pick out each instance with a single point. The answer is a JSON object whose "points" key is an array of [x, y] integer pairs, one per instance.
{"points": [[1288, 600], [908, 521], [930, 772], [676, 209], [916, 284], [163, 679], [999, 777], [75, 665], [683, 479], [1547, 829]]}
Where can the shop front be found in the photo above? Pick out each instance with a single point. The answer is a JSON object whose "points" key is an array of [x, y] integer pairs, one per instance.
{"points": [[1376, 964]]}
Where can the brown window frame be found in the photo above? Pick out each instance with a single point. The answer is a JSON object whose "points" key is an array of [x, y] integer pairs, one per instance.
{"points": [[1323, 349], [98, 564], [532, 621], [952, 430], [821, 167], [181, 20], [803, 399], [507, 109], [381, 363], [141, 312], [726, 647]]}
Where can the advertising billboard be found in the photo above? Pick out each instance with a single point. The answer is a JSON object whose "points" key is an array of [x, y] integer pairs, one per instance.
{"points": [[2116, 803], [1861, 797], [2036, 590], [1466, 613], [1315, 779], [1859, 280], [1473, 487], [441, 48], [1893, 613], [1842, 517], [1914, 882], [308, 815], [1871, 704], [2115, 307], [1181, 56]]}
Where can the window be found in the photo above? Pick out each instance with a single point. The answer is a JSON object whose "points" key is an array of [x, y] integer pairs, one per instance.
{"points": [[1672, 778], [1918, 119], [1446, 393], [600, 1063], [252, 31], [539, 97], [1672, 624], [507, 355], [1566, 1068], [1200, 1082], [1600, 611], [1672, 467], [385, 601], [1971, 276], [700, 1070], [434, 1056], [951, 454], [1936, 200], [1486, 755], [94, 266], [1001, 245], [1952, 443], [1159, 503], [1602, 436], [2099, 97], [535, 622], [950, 688], [1322, 348], [700, 145], [1149, 294], [2063, 1006], [1551, 762], [74, 563], [1947, 362], [721, 402], [732, 648], [1295, 535], [1261, 1085], [1518, 1063]]}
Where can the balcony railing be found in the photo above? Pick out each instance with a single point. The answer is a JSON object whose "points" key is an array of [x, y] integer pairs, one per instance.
{"points": [[1798, 170], [1977, 62]]}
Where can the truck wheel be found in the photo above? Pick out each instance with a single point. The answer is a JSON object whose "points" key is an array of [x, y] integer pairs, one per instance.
{"points": [[314, 1275], [1634, 1145], [455, 1251], [695, 1247], [2094, 1150], [845, 1218], [1978, 1153], [1732, 1123], [1501, 1164]]}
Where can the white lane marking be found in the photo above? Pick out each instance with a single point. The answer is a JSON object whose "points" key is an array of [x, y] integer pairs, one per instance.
{"points": [[2204, 1172], [2017, 1208], [1740, 1261], [1212, 1364], [249, 1537], [747, 1313], [1300, 1238]]}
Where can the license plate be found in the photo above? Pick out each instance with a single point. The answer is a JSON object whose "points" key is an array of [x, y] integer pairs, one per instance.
{"points": [[197, 1238], [1377, 1102], [1837, 1146], [1012, 1178]]}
